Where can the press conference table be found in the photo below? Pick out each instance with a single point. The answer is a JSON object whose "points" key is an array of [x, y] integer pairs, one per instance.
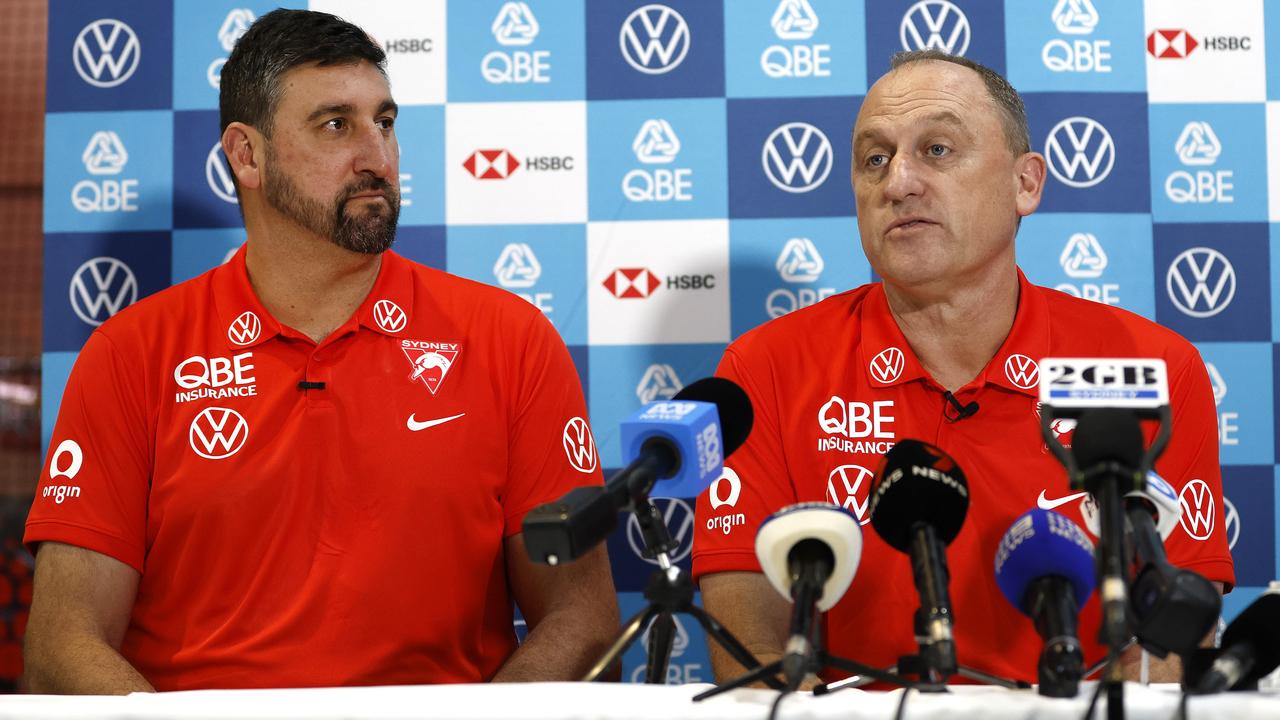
{"points": [[615, 701]]}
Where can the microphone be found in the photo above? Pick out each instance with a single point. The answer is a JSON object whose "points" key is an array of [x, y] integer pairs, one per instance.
{"points": [[1250, 648], [918, 503], [683, 441], [309, 385], [962, 411], [1044, 567], [809, 552]]}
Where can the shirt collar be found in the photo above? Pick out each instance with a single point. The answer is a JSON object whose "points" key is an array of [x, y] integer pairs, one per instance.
{"points": [[887, 359], [247, 322]]}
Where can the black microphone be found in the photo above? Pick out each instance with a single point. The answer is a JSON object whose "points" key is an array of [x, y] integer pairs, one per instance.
{"points": [[962, 411], [1250, 648], [309, 385], [918, 504], [809, 552], [567, 528]]}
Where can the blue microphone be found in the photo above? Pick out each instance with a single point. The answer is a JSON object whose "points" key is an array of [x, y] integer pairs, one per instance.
{"points": [[677, 447], [1045, 568]]}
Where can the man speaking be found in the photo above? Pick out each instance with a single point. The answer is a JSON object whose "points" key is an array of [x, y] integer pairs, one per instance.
{"points": [[309, 466], [943, 350]]}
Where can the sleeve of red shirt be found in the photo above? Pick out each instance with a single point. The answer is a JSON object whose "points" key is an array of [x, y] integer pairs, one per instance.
{"points": [[756, 472], [103, 504], [1193, 455], [547, 397]]}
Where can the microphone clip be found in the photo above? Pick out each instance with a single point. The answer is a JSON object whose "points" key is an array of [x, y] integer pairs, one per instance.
{"points": [[961, 411]]}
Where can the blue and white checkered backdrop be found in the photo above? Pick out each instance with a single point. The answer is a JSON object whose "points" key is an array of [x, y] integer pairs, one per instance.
{"points": [[660, 176]]}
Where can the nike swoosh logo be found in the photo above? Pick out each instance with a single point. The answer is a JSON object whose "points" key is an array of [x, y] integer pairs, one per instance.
{"points": [[415, 425], [1047, 504]]}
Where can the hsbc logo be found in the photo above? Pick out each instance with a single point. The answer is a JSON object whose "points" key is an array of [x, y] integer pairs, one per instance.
{"points": [[1216, 382], [515, 25], [218, 433], [1201, 282], [106, 53], [1198, 144], [656, 143], [105, 154], [631, 283], [1232, 518], [679, 520], [935, 25], [887, 365], [1075, 17], [794, 20], [218, 174], [1171, 44], [1022, 371], [389, 316], [849, 486], [580, 446], [245, 329], [100, 288], [660, 382], [491, 164], [1083, 256], [797, 157], [654, 39], [517, 266], [1080, 152], [1197, 509], [799, 261]]}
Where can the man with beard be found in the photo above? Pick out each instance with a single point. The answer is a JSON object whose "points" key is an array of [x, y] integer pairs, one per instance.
{"points": [[309, 466]]}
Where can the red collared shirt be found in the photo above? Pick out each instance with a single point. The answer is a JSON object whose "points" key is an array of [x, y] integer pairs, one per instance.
{"points": [[836, 385], [345, 534]]}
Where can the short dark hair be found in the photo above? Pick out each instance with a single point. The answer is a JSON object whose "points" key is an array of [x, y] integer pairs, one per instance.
{"points": [[1008, 102], [278, 42]]}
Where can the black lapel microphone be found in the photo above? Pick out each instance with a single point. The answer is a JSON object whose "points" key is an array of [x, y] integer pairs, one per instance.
{"points": [[961, 411], [309, 385]]}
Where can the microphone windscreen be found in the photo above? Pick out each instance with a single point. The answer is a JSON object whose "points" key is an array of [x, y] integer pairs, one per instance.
{"points": [[1107, 434], [916, 483], [1041, 543], [1258, 624], [824, 522], [732, 405]]}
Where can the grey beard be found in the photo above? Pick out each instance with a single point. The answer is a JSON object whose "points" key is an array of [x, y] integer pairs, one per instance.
{"points": [[369, 234]]}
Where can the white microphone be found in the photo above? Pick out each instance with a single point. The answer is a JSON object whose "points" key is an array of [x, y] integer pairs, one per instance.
{"points": [[810, 553]]}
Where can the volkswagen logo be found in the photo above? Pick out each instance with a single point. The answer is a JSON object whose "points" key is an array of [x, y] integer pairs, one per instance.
{"points": [[935, 25], [1201, 282], [218, 433], [218, 174], [389, 316], [100, 288], [678, 516], [1080, 152], [654, 39], [106, 53], [797, 157]]}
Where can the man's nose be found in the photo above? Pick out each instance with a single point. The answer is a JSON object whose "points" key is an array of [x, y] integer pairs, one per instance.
{"points": [[904, 178], [377, 153]]}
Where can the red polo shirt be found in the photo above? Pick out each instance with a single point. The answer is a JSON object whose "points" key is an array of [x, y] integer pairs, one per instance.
{"points": [[349, 533], [835, 385]]}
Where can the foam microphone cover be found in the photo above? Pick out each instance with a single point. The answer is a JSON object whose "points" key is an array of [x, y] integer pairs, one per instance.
{"points": [[918, 482], [1107, 435], [732, 406], [830, 524], [1042, 543]]}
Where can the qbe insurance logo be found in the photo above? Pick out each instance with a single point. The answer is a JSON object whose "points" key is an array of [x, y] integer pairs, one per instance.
{"points": [[204, 36], [657, 159], [531, 50], [658, 282], [673, 48], [1240, 375], [1095, 148], [1215, 282], [1102, 257], [412, 33], [1192, 48], [1204, 166], [497, 171], [1080, 45], [108, 171], [794, 47]]}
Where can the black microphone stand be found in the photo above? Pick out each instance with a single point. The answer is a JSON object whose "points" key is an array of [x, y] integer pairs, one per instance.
{"points": [[669, 591]]}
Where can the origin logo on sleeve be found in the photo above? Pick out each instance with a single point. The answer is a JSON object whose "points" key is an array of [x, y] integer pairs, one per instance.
{"points": [[1205, 165], [794, 48], [1095, 147], [526, 50]]}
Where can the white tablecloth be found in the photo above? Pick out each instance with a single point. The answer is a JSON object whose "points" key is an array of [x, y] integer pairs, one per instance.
{"points": [[617, 702]]}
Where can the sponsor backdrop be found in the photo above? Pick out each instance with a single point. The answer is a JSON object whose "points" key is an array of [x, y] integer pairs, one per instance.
{"points": [[660, 176]]}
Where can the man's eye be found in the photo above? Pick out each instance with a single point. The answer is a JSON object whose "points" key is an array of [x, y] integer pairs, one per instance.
{"points": [[387, 123], [336, 124], [938, 150], [877, 161]]}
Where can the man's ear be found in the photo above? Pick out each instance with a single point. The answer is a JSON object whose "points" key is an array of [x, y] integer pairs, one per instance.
{"points": [[1029, 174], [243, 145]]}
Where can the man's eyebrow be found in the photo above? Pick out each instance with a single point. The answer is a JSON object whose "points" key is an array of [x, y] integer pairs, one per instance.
{"points": [[347, 108]]}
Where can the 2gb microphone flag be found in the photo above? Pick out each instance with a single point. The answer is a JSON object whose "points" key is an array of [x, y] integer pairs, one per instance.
{"points": [[660, 176]]}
